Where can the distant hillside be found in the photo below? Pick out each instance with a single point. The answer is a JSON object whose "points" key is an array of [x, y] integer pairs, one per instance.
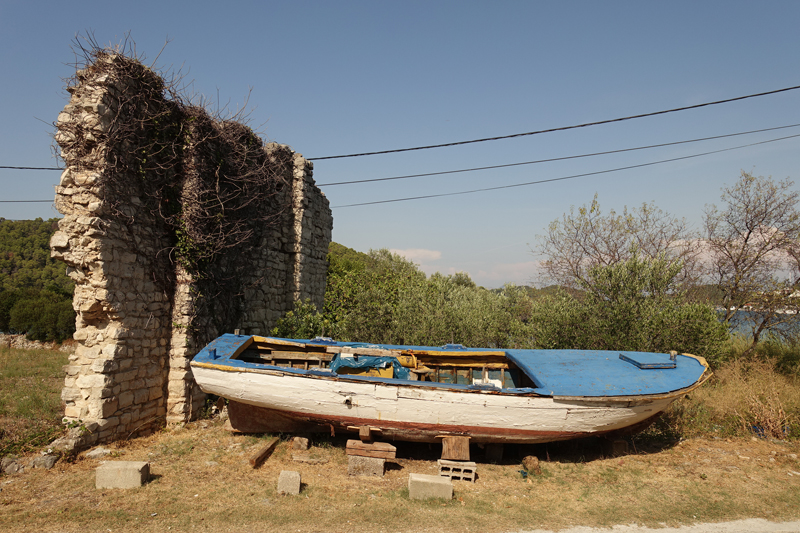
{"points": [[35, 292], [25, 261]]}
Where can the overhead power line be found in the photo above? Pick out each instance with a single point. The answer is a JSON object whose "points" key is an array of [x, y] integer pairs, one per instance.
{"points": [[514, 135], [562, 128], [33, 168], [25, 201], [485, 189], [538, 161], [550, 160]]}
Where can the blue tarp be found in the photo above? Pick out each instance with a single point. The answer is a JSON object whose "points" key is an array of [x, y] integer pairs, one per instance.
{"points": [[368, 361]]}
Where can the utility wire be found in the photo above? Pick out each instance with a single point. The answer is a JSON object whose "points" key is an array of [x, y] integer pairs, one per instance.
{"points": [[24, 201], [33, 168], [554, 158], [539, 161], [563, 177], [562, 128], [550, 130]]}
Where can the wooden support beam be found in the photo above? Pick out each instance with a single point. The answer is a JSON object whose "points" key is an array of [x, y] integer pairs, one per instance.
{"points": [[264, 453], [365, 434], [381, 450], [455, 448]]}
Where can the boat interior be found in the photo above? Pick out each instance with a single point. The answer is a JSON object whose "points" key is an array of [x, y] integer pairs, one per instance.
{"points": [[452, 364]]}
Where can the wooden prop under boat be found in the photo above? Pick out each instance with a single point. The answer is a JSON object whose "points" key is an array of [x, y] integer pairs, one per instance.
{"points": [[419, 393]]}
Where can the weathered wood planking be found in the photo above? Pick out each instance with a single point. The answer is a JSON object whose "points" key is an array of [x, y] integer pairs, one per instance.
{"points": [[455, 448], [264, 453], [380, 450]]}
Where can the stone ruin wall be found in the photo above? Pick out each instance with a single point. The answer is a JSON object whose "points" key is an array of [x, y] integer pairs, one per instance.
{"points": [[135, 336]]}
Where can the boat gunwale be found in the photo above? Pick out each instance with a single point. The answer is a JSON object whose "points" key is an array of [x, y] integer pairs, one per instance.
{"points": [[325, 374]]}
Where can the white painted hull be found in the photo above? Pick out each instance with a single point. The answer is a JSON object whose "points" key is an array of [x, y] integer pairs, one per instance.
{"points": [[421, 413]]}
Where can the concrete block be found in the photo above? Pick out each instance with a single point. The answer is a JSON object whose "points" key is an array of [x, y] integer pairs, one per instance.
{"points": [[358, 465], [289, 482], [458, 470], [423, 486], [122, 474]]}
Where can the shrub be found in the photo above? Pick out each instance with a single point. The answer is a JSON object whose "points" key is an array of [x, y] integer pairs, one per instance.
{"points": [[631, 305]]}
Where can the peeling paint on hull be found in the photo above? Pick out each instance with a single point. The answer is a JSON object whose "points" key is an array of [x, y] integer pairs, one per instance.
{"points": [[418, 413]]}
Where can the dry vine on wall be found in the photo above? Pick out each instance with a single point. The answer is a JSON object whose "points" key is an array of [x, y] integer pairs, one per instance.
{"points": [[207, 182]]}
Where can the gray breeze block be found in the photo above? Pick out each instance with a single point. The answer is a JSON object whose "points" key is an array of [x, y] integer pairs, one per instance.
{"points": [[424, 486], [122, 474]]}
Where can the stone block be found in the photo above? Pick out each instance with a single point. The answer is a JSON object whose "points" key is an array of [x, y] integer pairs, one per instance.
{"points": [[300, 443], [91, 381], [125, 399], [44, 461], [75, 411], [289, 482], [69, 394], [615, 448], [122, 474], [104, 366], [423, 487], [365, 466], [7, 464], [109, 408], [98, 453], [71, 370], [140, 395]]}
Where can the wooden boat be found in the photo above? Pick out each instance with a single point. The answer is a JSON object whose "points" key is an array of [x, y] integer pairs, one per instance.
{"points": [[419, 393]]}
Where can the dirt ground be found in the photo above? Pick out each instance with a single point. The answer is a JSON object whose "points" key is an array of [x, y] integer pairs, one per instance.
{"points": [[202, 481], [753, 525]]}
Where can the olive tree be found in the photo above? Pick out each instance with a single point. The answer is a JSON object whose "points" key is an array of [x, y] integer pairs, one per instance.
{"points": [[635, 304], [753, 243]]}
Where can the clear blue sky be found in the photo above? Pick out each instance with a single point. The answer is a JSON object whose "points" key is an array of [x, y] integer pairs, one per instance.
{"points": [[331, 78]]}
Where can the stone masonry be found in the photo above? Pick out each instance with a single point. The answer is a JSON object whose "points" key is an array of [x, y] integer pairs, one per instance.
{"points": [[141, 315]]}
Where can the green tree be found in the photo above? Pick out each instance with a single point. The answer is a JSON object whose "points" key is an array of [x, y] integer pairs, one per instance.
{"points": [[25, 260], [35, 292], [381, 297], [43, 316], [305, 322], [7, 301], [636, 304]]}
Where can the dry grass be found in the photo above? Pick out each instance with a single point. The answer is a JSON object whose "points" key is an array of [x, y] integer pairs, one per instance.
{"points": [[202, 479], [203, 482], [743, 398]]}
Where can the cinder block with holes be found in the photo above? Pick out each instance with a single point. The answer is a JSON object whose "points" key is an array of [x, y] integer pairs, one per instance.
{"points": [[458, 470]]}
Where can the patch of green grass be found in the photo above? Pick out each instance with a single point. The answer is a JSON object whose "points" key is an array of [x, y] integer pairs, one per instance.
{"points": [[177, 448], [30, 398]]}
